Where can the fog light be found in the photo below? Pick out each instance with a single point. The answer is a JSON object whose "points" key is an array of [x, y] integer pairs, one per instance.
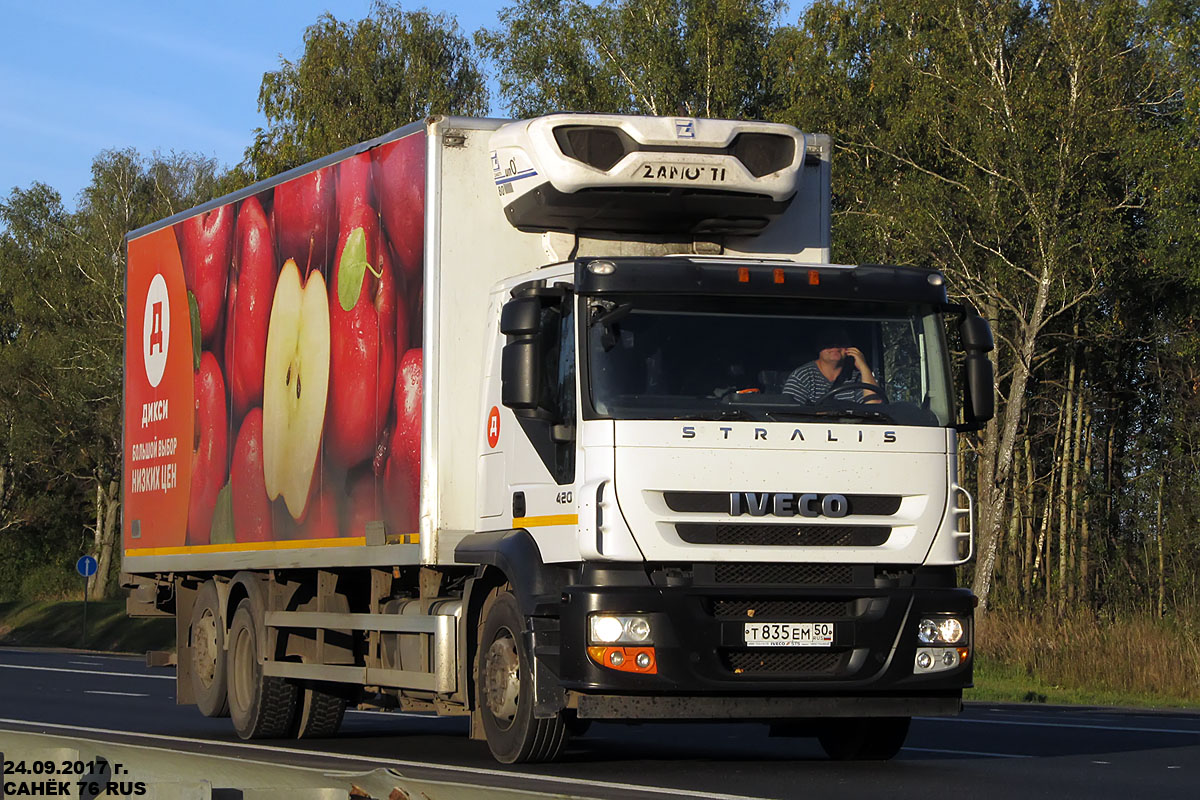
{"points": [[939, 659], [638, 660]]}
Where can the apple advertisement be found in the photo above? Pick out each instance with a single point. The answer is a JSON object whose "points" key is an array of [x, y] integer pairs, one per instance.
{"points": [[273, 364]]}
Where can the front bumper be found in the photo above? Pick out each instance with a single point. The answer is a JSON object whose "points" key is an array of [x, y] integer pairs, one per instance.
{"points": [[703, 664]]}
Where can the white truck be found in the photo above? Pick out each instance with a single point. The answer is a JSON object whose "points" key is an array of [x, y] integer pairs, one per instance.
{"points": [[521, 421]]}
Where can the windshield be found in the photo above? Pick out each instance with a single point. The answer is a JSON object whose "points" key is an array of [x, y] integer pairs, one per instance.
{"points": [[785, 360]]}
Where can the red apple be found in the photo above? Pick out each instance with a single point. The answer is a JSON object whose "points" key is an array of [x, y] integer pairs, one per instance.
{"points": [[209, 448], [205, 243], [362, 332], [400, 186], [354, 191], [322, 518], [303, 217], [251, 507], [251, 287], [362, 503], [402, 474]]}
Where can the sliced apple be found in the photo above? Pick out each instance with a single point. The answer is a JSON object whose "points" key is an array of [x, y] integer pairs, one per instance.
{"points": [[295, 386]]}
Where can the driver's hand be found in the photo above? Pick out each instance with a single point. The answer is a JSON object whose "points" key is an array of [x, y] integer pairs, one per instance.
{"points": [[860, 361]]}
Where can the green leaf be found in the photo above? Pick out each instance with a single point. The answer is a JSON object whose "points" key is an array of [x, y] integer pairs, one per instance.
{"points": [[194, 313], [222, 524], [352, 269]]}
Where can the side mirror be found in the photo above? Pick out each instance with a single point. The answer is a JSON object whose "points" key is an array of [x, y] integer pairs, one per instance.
{"points": [[980, 400], [521, 374], [976, 334], [521, 317]]}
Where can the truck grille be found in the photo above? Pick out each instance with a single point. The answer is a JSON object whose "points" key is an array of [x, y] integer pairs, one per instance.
{"points": [[759, 661], [718, 503], [784, 610], [784, 574], [783, 535]]}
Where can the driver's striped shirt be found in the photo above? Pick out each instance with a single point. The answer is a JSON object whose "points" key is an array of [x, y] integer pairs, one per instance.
{"points": [[807, 384]]}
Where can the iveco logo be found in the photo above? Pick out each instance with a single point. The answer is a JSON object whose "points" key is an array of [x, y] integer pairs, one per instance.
{"points": [[787, 504]]}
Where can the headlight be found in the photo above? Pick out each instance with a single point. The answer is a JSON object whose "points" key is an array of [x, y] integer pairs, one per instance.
{"points": [[940, 630], [612, 629]]}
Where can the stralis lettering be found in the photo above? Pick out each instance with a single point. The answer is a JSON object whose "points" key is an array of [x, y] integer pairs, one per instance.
{"points": [[798, 435], [787, 504]]}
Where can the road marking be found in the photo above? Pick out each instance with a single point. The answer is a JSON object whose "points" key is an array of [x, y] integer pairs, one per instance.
{"points": [[965, 752], [88, 672], [75, 730], [118, 694], [1126, 728], [87, 663]]}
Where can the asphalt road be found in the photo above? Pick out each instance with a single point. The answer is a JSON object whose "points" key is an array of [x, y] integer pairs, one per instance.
{"points": [[992, 750]]}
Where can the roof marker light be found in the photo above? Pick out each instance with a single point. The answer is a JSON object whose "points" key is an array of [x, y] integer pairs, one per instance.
{"points": [[601, 267]]}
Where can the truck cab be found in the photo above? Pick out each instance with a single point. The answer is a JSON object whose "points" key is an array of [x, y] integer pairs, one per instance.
{"points": [[697, 538]]}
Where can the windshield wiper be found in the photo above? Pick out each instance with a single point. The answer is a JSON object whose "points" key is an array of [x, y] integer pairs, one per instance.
{"points": [[853, 413], [731, 412]]}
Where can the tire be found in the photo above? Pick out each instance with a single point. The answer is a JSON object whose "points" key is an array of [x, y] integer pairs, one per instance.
{"points": [[504, 688], [262, 706], [863, 738], [320, 713], [206, 648]]}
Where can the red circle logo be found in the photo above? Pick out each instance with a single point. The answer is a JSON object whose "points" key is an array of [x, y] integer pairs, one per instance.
{"points": [[493, 427]]}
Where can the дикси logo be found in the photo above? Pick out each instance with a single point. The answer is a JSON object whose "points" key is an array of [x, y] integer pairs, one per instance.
{"points": [[156, 330]]}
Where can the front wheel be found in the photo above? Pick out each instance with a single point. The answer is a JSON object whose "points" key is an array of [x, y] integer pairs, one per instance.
{"points": [[504, 688], [863, 738]]}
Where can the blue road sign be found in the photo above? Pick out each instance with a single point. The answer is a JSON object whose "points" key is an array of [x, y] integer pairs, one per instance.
{"points": [[86, 566]]}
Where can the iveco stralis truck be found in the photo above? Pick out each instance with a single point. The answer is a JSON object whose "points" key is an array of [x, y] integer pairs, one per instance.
{"points": [[493, 418]]}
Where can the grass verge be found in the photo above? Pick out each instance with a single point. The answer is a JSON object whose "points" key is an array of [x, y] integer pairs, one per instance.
{"points": [[60, 624], [1083, 658], [996, 682]]}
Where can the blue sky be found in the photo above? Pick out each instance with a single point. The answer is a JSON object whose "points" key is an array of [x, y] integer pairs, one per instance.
{"points": [[77, 78]]}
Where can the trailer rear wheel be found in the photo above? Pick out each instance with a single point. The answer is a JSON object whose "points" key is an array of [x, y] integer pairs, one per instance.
{"points": [[262, 706], [206, 647], [863, 738], [504, 688], [321, 713]]}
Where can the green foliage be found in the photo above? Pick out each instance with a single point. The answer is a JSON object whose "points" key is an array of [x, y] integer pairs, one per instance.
{"points": [[61, 353], [660, 57], [359, 80]]}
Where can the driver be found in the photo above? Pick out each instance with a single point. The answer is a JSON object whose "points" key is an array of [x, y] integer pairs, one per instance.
{"points": [[837, 363]]}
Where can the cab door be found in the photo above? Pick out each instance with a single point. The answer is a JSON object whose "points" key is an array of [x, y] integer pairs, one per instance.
{"points": [[538, 387]]}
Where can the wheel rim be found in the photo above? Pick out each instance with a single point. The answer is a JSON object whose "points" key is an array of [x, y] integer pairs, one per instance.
{"points": [[243, 659], [204, 649], [502, 678]]}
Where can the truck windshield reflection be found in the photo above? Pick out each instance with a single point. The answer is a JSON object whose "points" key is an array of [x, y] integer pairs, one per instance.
{"points": [[788, 360]]}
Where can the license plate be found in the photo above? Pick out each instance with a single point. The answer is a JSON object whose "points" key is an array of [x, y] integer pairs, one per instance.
{"points": [[691, 173], [789, 634]]}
